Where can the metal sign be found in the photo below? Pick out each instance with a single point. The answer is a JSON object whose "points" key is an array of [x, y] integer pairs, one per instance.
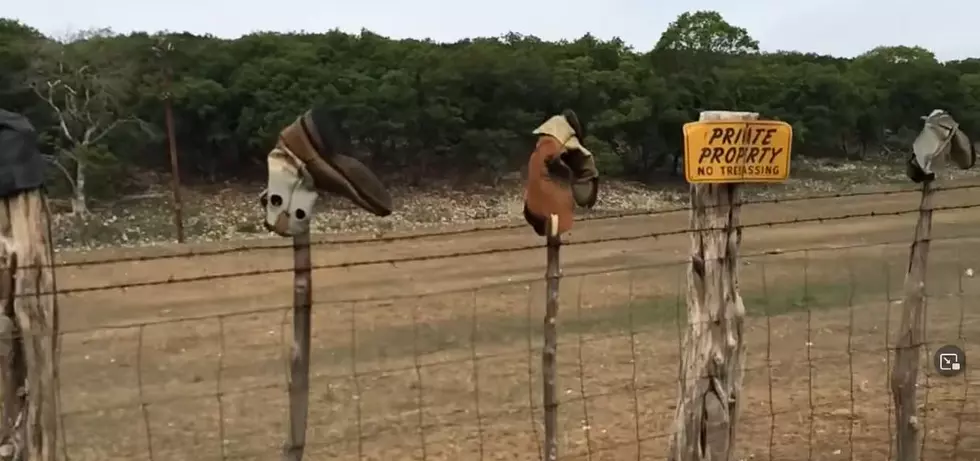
{"points": [[722, 151]]}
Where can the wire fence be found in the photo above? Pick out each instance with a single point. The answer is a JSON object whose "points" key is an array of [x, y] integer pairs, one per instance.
{"points": [[423, 367]]}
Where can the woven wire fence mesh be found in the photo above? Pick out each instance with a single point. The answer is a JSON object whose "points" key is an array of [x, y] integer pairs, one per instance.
{"points": [[177, 358]]}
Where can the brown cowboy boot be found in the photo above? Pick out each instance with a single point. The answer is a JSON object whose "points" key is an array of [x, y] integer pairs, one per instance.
{"points": [[561, 174], [308, 160]]}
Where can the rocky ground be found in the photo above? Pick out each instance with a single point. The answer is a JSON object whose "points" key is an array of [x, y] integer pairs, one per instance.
{"points": [[229, 212]]}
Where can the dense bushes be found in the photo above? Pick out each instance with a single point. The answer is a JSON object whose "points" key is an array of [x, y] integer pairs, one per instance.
{"points": [[423, 109]]}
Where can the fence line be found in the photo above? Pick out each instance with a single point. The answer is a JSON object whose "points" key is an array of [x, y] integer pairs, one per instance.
{"points": [[501, 227], [811, 363], [145, 403], [286, 307], [463, 254], [503, 413], [232, 275], [424, 376]]}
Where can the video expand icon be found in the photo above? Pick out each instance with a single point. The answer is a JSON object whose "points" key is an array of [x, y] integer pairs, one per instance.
{"points": [[949, 360]]}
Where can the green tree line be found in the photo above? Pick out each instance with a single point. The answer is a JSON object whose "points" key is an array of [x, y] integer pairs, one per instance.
{"points": [[419, 109]]}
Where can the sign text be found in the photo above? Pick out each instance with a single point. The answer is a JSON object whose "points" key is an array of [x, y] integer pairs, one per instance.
{"points": [[743, 151]]}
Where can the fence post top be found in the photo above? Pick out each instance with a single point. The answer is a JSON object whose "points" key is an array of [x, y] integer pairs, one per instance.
{"points": [[727, 115]]}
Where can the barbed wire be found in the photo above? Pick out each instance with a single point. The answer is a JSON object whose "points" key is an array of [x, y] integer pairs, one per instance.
{"points": [[480, 229], [497, 285], [461, 254]]}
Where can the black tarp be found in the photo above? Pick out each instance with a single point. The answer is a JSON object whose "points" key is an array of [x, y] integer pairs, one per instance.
{"points": [[21, 164]]}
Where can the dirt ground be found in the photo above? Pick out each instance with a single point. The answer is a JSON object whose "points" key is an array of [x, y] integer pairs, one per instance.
{"points": [[197, 370]]}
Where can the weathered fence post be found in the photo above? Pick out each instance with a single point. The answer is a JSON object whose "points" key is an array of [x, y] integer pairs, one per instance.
{"points": [[939, 138], [299, 366], [549, 370], [561, 174], [29, 324], [306, 161], [905, 372], [723, 149]]}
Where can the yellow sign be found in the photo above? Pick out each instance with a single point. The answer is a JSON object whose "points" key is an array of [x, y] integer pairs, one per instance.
{"points": [[721, 151]]}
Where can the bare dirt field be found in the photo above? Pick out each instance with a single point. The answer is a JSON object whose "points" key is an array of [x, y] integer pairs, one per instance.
{"points": [[448, 366]]}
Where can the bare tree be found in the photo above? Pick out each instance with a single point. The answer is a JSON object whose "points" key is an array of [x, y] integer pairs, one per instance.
{"points": [[85, 86]]}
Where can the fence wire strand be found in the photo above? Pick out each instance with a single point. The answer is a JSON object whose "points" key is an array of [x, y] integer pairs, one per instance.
{"points": [[633, 364], [355, 379], [928, 370], [809, 353], [957, 438], [587, 423], [851, 292], [888, 358], [772, 409], [419, 387], [474, 332], [500, 227]]}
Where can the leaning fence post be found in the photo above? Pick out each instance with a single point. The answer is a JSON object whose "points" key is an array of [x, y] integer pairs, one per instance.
{"points": [[720, 151], [550, 351], [28, 300], [299, 366], [905, 372], [940, 140]]}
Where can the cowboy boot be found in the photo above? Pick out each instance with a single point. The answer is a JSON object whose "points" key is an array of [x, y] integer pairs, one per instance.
{"points": [[308, 160]]}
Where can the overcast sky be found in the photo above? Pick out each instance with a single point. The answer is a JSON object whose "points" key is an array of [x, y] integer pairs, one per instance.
{"points": [[838, 27]]}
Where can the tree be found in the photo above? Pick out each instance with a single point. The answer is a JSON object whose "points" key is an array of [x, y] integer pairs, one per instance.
{"points": [[706, 31], [900, 54], [424, 110], [16, 42], [86, 85]]}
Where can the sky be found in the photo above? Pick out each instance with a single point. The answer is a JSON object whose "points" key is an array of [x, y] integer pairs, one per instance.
{"points": [[839, 27]]}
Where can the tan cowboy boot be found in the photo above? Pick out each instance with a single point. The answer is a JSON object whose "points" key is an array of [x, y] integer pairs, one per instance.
{"points": [[940, 138]]}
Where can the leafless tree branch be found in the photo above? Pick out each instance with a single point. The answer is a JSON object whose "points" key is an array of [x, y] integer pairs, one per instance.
{"points": [[48, 98], [54, 161]]}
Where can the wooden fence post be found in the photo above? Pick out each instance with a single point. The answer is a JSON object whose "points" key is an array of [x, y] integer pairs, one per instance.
{"points": [[27, 295], [28, 300], [710, 381], [550, 351], [905, 371], [299, 367]]}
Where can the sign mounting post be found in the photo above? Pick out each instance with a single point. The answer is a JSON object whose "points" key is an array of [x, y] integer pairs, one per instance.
{"points": [[721, 150]]}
